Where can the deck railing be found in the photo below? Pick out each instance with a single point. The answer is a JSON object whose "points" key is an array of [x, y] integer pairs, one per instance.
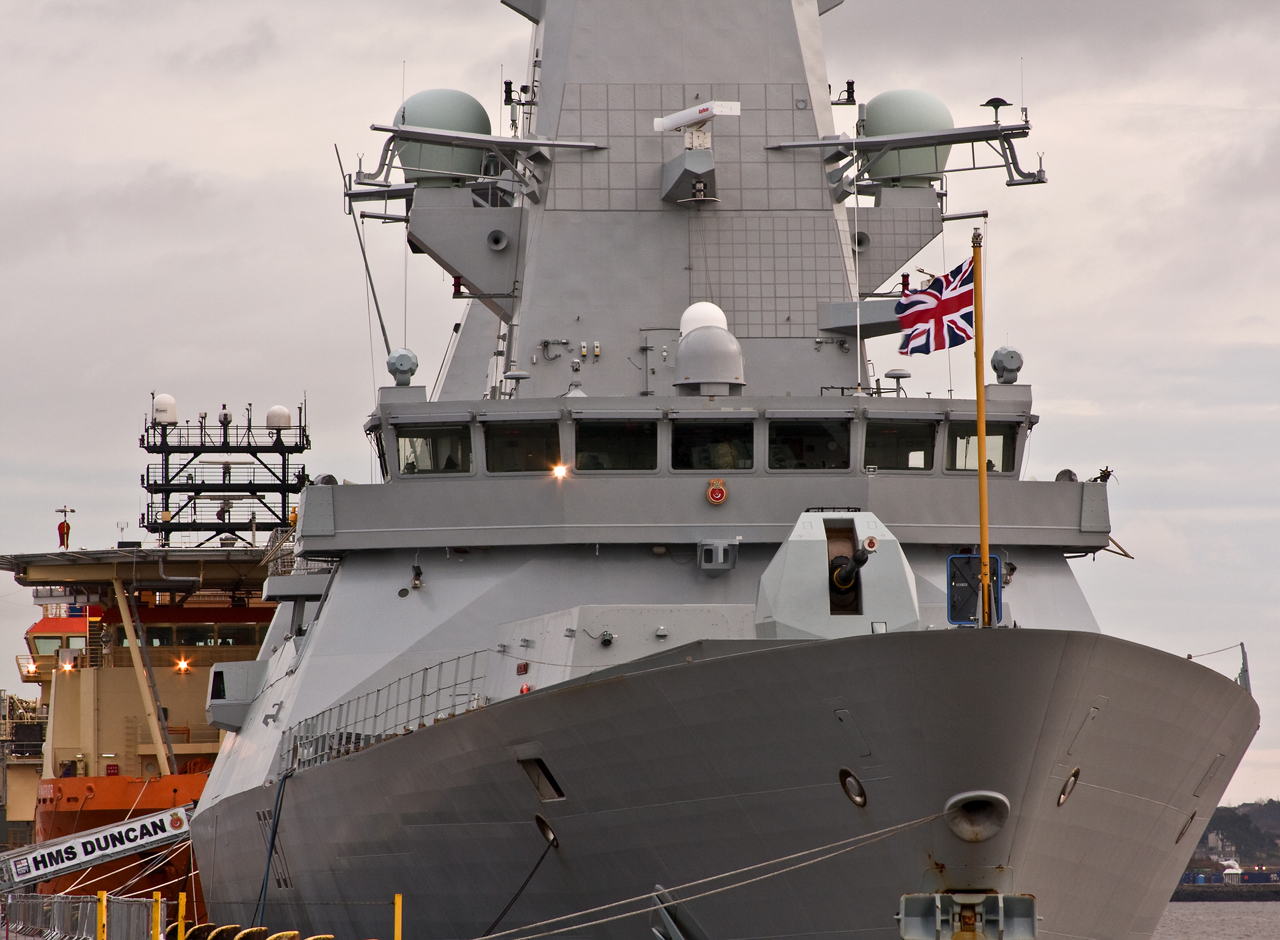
{"points": [[405, 705], [75, 917]]}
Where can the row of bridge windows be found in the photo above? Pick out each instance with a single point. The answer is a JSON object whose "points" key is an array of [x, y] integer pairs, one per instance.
{"points": [[603, 445]]}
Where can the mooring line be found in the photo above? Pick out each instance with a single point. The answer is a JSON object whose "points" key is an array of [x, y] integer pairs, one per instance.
{"points": [[839, 848]]}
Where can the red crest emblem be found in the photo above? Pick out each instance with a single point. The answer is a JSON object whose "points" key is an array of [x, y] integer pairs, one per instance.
{"points": [[716, 492]]}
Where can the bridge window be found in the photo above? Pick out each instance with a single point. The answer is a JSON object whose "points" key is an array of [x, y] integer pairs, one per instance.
{"points": [[617, 445], [442, 449], [521, 446], [237, 636], [194, 636], [375, 440], [712, 445], [962, 446], [808, 445], [900, 445], [46, 645]]}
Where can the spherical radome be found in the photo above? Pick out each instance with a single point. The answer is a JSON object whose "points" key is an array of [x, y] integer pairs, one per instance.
{"points": [[443, 109], [278, 416], [164, 410], [906, 111], [703, 313], [709, 355]]}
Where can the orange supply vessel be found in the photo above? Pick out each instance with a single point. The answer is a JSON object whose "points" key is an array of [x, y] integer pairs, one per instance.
{"points": [[94, 760]]}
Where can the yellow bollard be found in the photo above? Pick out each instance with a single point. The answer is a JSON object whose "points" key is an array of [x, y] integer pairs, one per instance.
{"points": [[155, 915], [102, 915], [182, 913], [399, 909]]}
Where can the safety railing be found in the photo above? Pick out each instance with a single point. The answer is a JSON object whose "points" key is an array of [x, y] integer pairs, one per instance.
{"points": [[214, 474], [75, 916], [280, 559], [210, 438], [405, 705]]}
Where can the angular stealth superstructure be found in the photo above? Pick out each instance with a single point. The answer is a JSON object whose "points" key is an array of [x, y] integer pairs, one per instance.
{"points": [[672, 582]]}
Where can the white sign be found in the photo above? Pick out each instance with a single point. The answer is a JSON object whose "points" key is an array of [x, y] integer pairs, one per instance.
{"points": [[46, 860]]}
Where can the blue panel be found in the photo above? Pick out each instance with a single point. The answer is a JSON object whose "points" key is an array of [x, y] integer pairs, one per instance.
{"points": [[963, 575]]}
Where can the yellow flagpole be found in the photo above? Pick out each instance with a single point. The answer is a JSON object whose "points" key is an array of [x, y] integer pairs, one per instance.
{"points": [[984, 536]]}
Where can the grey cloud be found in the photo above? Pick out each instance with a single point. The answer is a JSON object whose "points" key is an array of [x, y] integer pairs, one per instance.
{"points": [[256, 43]]}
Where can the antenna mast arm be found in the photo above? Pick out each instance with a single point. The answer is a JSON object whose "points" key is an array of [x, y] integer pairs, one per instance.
{"points": [[364, 255]]}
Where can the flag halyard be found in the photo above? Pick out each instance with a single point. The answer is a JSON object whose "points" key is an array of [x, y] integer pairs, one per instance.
{"points": [[940, 315]]}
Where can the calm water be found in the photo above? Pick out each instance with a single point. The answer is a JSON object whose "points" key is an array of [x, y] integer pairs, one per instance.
{"points": [[1220, 920]]}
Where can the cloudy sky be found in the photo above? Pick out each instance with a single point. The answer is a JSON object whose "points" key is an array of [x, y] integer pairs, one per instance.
{"points": [[172, 222]]}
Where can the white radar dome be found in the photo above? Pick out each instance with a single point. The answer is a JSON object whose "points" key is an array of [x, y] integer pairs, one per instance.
{"points": [[448, 110], [709, 362], [278, 416], [164, 410], [908, 111], [703, 313]]}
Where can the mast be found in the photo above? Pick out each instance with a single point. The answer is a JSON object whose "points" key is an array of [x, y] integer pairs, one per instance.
{"points": [[984, 536]]}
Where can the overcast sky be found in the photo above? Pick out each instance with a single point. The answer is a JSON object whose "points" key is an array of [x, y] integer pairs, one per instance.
{"points": [[172, 222]]}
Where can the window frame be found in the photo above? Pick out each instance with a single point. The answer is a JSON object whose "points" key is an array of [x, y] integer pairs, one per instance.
{"points": [[938, 427], [1014, 426], [812, 419], [439, 474], [671, 423], [514, 419], [604, 418]]}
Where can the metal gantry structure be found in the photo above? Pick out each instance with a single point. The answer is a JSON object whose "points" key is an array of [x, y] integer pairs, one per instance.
{"points": [[222, 480]]}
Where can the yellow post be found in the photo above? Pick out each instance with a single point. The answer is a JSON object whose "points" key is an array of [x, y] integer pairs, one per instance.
{"points": [[102, 915], [399, 909], [156, 909], [182, 914], [983, 533], [149, 704]]}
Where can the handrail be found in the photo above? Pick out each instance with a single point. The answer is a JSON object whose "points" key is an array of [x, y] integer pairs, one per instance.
{"points": [[424, 697]]}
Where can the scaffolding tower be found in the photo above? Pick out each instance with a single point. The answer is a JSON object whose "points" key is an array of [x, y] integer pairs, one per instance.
{"points": [[222, 480]]}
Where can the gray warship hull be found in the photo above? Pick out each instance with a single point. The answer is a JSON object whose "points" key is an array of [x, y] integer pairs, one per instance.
{"points": [[691, 573], [712, 757]]}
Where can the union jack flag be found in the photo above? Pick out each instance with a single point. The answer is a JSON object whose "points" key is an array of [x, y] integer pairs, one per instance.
{"points": [[939, 316]]}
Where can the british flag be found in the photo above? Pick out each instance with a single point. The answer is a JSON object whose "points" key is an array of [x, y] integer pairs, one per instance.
{"points": [[939, 316]]}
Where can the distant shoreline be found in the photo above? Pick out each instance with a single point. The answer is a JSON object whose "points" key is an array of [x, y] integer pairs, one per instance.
{"points": [[1260, 892]]}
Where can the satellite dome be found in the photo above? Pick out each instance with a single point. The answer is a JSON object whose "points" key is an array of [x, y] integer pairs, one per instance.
{"points": [[164, 410], [709, 362], [703, 313], [448, 110], [908, 111], [278, 417]]}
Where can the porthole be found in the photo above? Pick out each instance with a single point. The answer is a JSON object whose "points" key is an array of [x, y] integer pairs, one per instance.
{"points": [[1069, 786], [1185, 826], [403, 592], [852, 787]]}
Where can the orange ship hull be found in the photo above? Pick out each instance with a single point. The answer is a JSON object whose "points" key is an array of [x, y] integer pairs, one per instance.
{"points": [[68, 805]]}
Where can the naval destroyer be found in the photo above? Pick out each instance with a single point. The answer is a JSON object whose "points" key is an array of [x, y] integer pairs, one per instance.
{"points": [[660, 584]]}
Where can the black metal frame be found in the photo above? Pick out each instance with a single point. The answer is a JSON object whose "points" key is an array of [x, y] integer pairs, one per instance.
{"points": [[178, 475]]}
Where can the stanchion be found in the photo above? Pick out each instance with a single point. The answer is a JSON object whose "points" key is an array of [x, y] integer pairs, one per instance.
{"points": [[156, 914], [182, 914], [399, 909], [102, 915]]}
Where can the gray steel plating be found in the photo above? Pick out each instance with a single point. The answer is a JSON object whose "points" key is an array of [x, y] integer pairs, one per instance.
{"points": [[691, 688], [707, 760]]}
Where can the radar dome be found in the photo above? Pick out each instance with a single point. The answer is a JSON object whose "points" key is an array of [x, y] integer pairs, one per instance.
{"points": [[278, 417], [164, 410], [703, 313], [907, 111], [709, 362], [448, 110]]}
